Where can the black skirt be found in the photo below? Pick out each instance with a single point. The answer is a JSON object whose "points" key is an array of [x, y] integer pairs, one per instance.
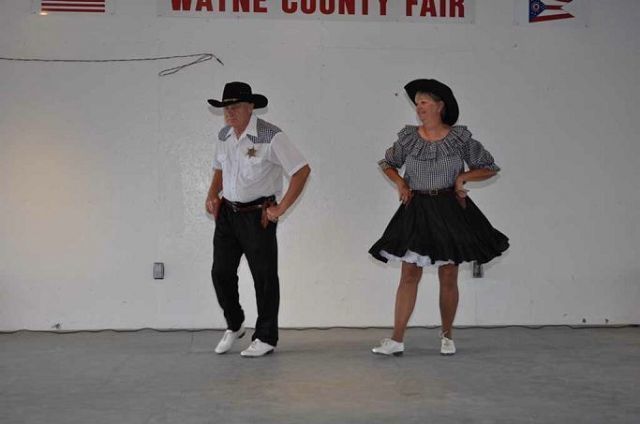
{"points": [[438, 229]]}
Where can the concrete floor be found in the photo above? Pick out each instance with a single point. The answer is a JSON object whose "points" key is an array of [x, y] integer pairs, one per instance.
{"points": [[511, 375]]}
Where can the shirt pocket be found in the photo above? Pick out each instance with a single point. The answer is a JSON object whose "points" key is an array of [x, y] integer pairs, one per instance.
{"points": [[253, 167]]}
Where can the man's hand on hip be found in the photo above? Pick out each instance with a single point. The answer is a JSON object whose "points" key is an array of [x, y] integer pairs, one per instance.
{"points": [[213, 206]]}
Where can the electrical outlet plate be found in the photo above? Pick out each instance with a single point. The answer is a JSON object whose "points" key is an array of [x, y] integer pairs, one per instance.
{"points": [[158, 270], [477, 270]]}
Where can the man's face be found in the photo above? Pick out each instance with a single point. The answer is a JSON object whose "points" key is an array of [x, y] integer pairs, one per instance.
{"points": [[237, 115]]}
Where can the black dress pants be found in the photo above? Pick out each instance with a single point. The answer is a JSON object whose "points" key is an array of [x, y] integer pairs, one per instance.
{"points": [[239, 233]]}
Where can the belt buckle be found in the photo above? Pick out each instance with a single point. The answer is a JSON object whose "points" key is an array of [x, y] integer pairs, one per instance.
{"points": [[433, 192]]}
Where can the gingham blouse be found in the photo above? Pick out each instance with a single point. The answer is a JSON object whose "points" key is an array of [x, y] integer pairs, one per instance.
{"points": [[431, 165]]}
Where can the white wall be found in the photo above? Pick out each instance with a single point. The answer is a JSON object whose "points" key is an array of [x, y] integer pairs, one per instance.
{"points": [[104, 168]]}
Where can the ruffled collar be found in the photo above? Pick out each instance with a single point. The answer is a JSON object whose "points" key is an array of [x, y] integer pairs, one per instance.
{"points": [[410, 139]]}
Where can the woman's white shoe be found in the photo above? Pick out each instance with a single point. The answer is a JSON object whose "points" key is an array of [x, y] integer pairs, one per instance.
{"points": [[389, 347], [447, 347]]}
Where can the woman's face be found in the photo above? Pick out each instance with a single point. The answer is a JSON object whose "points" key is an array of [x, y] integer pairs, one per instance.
{"points": [[428, 109]]}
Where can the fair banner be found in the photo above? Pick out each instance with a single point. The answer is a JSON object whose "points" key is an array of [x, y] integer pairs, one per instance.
{"points": [[422, 11]]}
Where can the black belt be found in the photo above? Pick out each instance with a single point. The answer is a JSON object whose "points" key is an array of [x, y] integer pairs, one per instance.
{"points": [[254, 205], [435, 192]]}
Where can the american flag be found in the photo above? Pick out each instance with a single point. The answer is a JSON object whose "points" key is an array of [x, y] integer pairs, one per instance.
{"points": [[541, 11], [82, 6]]}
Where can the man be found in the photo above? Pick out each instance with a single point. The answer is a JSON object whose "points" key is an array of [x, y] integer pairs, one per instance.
{"points": [[251, 156]]}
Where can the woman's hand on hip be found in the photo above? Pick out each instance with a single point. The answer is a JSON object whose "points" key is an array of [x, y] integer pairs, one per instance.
{"points": [[404, 192], [459, 188]]}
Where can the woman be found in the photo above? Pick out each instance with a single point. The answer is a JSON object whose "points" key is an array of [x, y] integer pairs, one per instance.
{"points": [[437, 223]]}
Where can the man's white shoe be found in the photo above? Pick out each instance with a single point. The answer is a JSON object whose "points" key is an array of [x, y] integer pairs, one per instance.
{"points": [[257, 348], [447, 347], [389, 347], [228, 338]]}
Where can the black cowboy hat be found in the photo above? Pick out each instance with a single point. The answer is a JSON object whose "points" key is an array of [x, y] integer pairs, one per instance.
{"points": [[439, 89], [236, 92]]}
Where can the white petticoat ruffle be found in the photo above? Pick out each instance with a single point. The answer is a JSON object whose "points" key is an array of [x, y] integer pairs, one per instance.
{"points": [[413, 258]]}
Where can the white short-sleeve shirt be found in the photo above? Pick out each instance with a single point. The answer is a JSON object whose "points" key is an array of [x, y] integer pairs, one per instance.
{"points": [[253, 164]]}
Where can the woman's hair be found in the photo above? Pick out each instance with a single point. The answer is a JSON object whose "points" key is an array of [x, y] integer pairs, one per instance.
{"points": [[435, 98]]}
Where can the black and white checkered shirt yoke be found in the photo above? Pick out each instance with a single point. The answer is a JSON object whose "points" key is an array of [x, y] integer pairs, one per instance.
{"points": [[435, 165]]}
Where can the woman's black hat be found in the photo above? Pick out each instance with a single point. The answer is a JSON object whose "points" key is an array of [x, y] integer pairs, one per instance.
{"points": [[439, 89]]}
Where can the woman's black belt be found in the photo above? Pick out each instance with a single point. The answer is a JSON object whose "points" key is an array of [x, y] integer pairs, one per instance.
{"points": [[435, 192]]}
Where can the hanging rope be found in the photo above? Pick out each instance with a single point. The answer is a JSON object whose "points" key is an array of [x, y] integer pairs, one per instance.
{"points": [[200, 57]]}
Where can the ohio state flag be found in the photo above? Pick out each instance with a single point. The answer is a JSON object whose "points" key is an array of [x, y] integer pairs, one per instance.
{"points": [[536, 12]]}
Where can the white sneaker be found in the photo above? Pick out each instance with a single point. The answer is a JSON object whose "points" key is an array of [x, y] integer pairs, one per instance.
{"points": [[389, 347], [228, 338], [257, 348], [447, 347]]}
